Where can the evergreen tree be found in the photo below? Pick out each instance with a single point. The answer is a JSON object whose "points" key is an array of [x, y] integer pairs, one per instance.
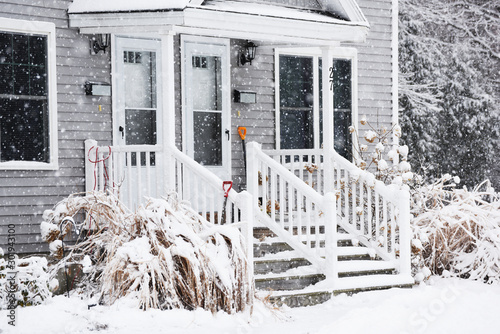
{"points": [[449, 54]]}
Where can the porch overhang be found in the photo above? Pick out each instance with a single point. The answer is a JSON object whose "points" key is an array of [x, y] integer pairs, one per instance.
{"points": [[228, 19]]}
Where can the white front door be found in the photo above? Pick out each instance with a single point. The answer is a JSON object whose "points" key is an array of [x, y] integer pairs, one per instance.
{"points": [[207, 122], [137, 116]]}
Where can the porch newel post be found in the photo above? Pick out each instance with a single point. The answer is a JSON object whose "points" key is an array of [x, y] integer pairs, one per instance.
{"points": [[168, 92], [245, 200], [331, 247], [404, 232], [89, 167], [328, 118]]}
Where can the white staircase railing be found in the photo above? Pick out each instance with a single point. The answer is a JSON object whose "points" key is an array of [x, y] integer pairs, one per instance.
{"points": [[294, 211], [378, 215]]}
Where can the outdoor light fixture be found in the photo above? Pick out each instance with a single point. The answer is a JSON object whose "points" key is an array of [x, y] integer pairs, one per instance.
{"points": [[248, 54], [100, 42]]}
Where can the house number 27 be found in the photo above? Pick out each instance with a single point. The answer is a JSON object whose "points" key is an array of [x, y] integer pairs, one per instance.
{"points": [[331, 78]]}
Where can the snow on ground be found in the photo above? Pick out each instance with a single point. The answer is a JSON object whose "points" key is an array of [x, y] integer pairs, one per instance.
{"points": [[445, 306]]}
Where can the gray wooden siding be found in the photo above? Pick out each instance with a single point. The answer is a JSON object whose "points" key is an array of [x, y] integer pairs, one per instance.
{"points": [[258, 118], [375, 64], [24, 195]]}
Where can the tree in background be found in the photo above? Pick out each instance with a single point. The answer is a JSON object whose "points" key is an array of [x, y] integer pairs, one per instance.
{"points": [[449, 56]]}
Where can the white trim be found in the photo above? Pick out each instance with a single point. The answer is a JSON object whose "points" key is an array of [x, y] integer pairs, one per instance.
{"points": [[224, 172], [48, 29], [316, 53]]}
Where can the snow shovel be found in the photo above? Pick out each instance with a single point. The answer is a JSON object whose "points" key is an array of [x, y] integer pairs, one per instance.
{"points": [[226, 186], [243, 133]]}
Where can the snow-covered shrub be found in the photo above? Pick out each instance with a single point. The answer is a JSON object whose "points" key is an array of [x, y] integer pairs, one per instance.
{"points": [[25, 283], [164, 254], [398, 172], [456, 231]]}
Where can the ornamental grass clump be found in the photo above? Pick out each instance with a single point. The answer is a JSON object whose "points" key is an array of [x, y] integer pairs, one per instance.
{"points": [[165, 254], [457, 231]]}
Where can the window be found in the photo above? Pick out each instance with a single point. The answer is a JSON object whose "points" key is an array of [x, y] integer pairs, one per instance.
{"points": [[296, 102], [300, 99], [27, 96]]}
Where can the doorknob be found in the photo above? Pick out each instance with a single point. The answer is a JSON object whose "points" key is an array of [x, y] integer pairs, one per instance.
{"points": [[227, 133], [122, 130]]}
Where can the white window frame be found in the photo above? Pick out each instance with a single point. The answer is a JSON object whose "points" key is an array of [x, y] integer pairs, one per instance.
{"points": [[49, 30], [316, 54]]}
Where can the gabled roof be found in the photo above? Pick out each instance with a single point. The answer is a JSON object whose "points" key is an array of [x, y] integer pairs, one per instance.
{"points": [[333, 21]]}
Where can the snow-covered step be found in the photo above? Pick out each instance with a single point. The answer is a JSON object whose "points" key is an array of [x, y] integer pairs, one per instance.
{"points": [[323, 291], [364, 283], [293, 279]]}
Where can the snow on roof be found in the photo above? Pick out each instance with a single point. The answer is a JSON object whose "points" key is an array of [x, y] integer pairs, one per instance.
{"points": [[93, 6], [256, 8], [268, 10]]}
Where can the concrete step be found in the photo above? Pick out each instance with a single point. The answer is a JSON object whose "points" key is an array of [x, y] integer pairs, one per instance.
{"points": [[318, 294], [286, 281]]}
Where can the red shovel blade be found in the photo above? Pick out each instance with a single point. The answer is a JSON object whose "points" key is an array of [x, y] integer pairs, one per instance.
{"points": [[226, 186]]}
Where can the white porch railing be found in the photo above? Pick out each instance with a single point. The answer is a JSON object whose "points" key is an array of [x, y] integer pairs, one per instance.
{"points": [[135, 172], [376, 214], [293, 210]]}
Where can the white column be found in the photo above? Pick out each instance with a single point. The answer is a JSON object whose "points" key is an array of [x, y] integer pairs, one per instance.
{"points": [[328, 130], [168, 94]]}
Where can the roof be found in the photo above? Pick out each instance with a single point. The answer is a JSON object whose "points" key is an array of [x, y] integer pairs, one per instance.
{"points": [[335, 20]]}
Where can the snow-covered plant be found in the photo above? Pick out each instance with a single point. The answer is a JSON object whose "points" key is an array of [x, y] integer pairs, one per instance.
{"points": [[165, 254], [456, 231], [24, 284], [397, 172]]}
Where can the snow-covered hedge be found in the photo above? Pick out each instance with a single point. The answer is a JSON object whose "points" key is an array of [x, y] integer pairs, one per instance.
{"points": [[23, 282], [457, 231], [164, 254]]}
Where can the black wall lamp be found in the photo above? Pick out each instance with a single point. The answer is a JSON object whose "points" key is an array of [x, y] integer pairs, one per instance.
{"points": [[248, 54], [100, 42]]}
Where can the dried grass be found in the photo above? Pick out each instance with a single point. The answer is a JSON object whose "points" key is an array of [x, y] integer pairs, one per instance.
{"points": [[459, 230], [165, 254]]}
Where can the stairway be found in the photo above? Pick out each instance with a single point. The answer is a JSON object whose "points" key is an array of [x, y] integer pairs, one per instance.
{"points": [[285, 277]]}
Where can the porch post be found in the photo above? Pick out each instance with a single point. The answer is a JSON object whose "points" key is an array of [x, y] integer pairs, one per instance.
{"points": [[168, 92], [328, 117]]}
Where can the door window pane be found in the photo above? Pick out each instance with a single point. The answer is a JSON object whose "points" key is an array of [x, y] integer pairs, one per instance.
{"points": [[296, 102], [140, 127], [208, 138], [342, 104], [140, 79], [207, 83]]}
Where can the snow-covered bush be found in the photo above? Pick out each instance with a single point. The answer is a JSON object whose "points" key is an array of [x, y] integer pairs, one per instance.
{"points": [[397, 172], [165, 254], [25, 283], [456, 231]]}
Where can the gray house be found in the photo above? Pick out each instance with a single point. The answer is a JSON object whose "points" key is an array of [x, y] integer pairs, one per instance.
{"points": [[144, 98]]}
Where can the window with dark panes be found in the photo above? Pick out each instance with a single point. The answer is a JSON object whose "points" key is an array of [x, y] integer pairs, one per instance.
{"points": [[24, 114], [296, 102]]}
